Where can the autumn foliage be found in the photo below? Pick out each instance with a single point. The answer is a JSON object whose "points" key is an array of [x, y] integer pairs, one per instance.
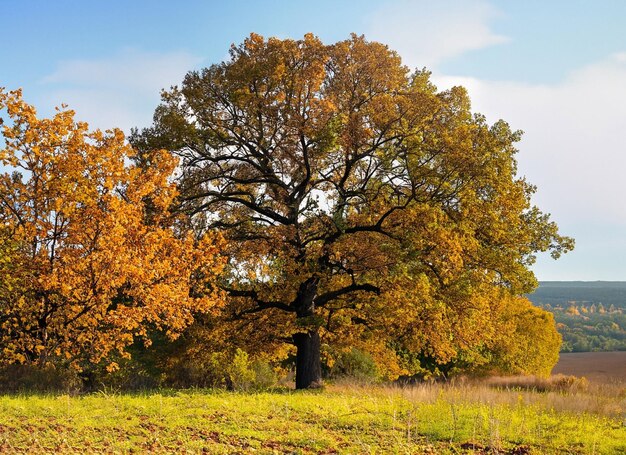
{"points": [[91, 257], [299, 201], [362, 206]]}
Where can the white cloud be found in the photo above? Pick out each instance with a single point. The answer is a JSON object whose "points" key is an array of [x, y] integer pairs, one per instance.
{"points": [[427, 32], [574, 150], [117, 91], [574, 146]]}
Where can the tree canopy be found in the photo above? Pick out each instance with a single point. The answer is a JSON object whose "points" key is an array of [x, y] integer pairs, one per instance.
{"points": [[90, 255], [362, 206]]}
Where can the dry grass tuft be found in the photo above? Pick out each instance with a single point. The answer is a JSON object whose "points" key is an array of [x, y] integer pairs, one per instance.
{"points": [[560, 393], [557, 383]]}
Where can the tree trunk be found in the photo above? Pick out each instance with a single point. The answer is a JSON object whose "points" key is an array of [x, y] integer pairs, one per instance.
{"points": [[308, 360]]}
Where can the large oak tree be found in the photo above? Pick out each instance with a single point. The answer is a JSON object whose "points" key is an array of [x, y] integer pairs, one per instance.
{"points": [[362, 206]]}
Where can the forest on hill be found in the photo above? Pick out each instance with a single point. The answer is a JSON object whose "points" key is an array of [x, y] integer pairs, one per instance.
{"points": [[590, 315]]}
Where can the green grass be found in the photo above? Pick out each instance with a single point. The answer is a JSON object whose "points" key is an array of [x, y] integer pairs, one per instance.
{"points": [[423, 419]]}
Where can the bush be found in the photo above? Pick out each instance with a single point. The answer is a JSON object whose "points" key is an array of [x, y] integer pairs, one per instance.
{"points": [[355, 364], [265, 376], [132, 376], [230, 370], [239, 372], [557, 383], [570, 384], [30, 378]]}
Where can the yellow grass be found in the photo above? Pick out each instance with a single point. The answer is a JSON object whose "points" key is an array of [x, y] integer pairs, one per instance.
{"points": [[490, 417]]}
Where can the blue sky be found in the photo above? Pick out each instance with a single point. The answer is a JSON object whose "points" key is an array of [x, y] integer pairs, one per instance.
{"points": [[555, 69]]}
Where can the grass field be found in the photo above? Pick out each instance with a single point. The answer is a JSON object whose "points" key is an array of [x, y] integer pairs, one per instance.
{"points": [[340, 419]]}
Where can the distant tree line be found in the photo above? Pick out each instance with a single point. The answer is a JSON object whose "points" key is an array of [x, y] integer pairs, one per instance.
{"points": [[590, 316], [590, 327]]}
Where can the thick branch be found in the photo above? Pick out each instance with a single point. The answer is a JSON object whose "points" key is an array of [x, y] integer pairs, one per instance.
{"points": [[333, 295], [230, 197], [260, 304]]}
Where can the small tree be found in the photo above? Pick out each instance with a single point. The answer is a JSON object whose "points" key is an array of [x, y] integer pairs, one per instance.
{"points": [[362, 206], [528, 342], [90, 256]]}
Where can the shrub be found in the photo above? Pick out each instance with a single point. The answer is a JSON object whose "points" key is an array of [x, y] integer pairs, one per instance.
{"points": [[558, 383], [132, 376], [233, 370], [264, 375], [30, 378], [239, 372], [355, 364]]}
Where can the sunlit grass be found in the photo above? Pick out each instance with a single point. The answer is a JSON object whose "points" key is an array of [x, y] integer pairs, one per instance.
{"points": [[341, 419]]}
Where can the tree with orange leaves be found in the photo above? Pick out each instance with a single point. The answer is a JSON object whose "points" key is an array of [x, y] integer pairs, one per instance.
{"points": [[90, 255]]}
